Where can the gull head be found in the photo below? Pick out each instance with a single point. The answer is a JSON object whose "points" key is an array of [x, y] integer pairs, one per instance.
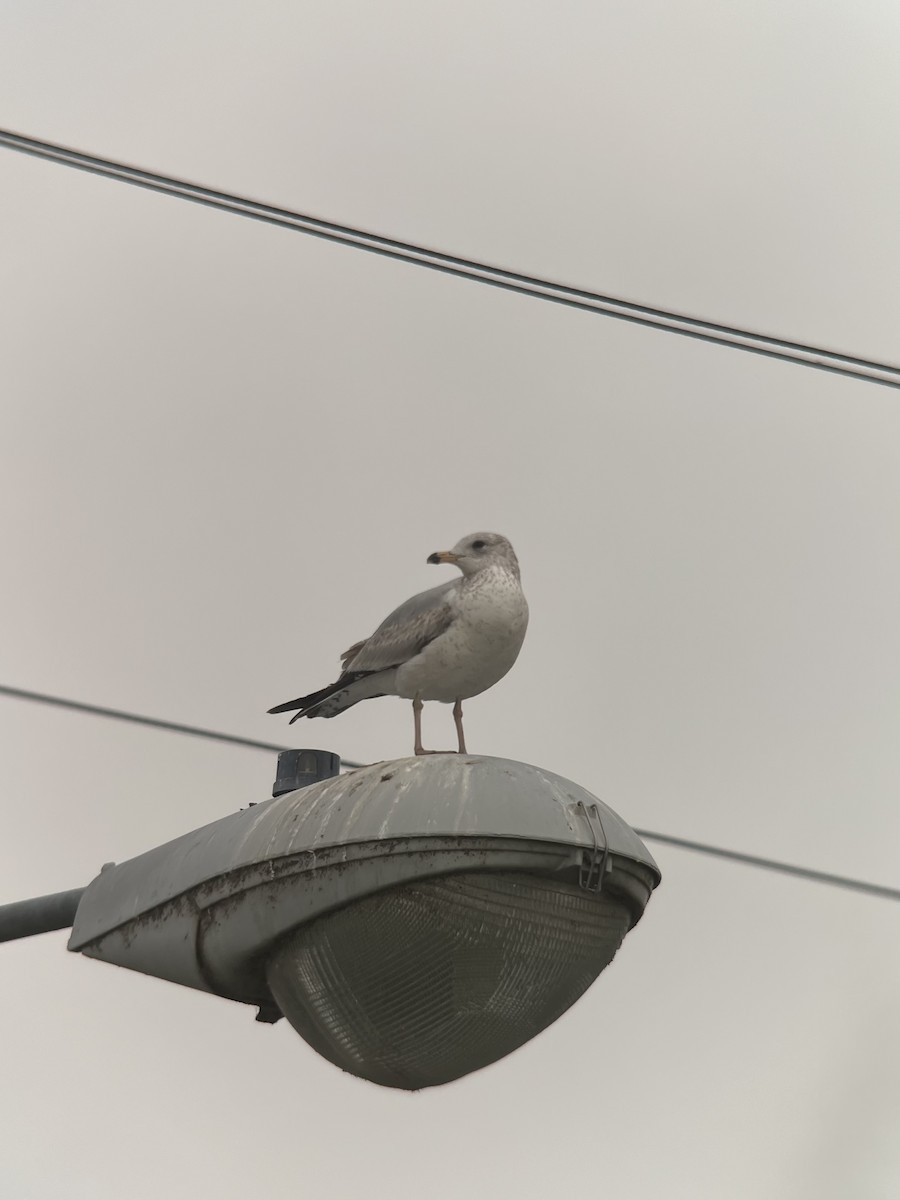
{"points": [[477, 551]]}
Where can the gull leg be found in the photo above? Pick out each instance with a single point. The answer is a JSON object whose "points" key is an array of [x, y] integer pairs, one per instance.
{"points": [[457, 719], [417, 718]]}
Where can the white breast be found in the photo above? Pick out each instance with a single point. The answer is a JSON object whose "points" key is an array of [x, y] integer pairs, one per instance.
{"points": [[482, 643]]}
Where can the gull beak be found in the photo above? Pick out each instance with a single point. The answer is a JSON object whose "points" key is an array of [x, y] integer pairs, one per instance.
{"points": [[442, 556]]}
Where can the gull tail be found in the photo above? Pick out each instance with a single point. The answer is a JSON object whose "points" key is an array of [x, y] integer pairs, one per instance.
{"points": [[344, 693]]}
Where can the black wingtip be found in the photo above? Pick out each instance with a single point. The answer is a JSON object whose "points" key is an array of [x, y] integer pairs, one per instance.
{"points": [[288, 706], [309, 705]]}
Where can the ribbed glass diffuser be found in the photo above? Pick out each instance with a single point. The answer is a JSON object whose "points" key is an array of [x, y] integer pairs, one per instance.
{"points": [[420, 984]]}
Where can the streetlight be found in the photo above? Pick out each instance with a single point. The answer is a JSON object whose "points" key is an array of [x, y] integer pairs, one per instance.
{"points": [[414, 920]]}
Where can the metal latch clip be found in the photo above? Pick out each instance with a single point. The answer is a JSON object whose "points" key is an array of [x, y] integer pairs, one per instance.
{"points": [[594, 861]]}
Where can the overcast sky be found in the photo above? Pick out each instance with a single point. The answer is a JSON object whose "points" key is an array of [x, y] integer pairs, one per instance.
{"points": [[227, 450]]}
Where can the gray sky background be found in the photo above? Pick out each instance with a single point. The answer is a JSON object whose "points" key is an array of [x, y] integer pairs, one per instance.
{"points": [[227, 450]]}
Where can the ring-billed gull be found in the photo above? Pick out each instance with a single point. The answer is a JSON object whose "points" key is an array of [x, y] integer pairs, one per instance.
{"points": [[448, 644]]}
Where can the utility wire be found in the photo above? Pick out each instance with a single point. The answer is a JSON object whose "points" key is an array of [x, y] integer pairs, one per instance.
{"points": [[529, 285], [118, 715], [752, 860]]}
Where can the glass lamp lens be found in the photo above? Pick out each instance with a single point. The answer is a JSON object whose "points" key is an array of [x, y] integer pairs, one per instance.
{"points": [[420, 984]]}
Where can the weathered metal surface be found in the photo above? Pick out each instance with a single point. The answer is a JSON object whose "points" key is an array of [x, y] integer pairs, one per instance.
{"points": [[198, 909]]}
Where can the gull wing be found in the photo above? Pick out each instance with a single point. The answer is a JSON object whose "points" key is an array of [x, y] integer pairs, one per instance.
{"points": [[406, 632]]}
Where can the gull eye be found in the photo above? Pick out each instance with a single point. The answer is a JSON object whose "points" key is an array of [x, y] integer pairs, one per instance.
{"points": [[478, 544]]}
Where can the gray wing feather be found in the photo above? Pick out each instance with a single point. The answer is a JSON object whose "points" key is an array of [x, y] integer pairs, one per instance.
{"points": [[405, 632]]}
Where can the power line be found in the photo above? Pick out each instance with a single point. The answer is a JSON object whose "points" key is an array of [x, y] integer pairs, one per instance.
{"points": [[799, 353], [153, 722], [752, 860]]}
